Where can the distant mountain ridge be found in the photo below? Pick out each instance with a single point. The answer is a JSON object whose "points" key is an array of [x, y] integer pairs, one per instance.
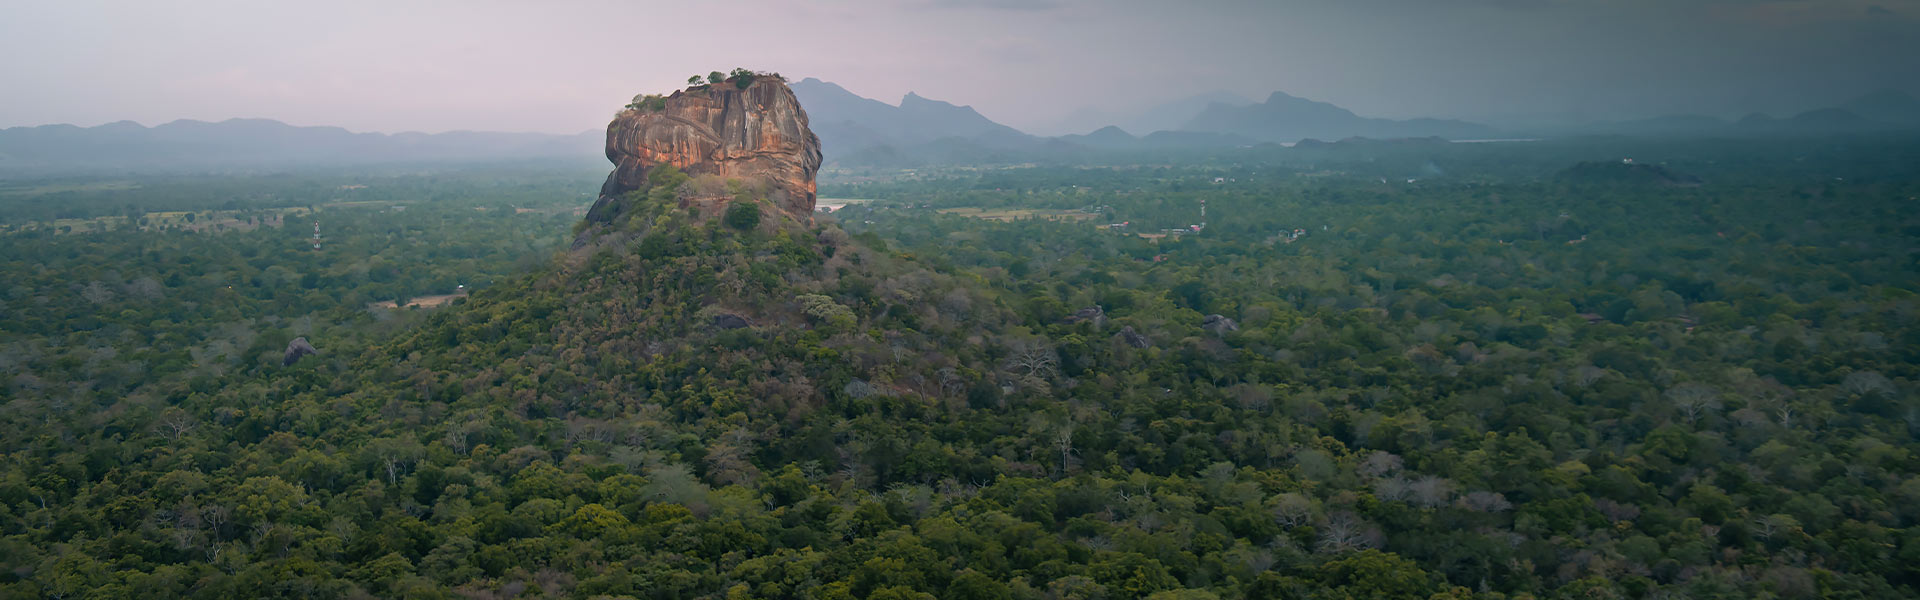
{"points": [[850, 125], [126, 145], [855, 130], [1880, 111], [1287, 118], [1166, 116], [1115, 138]]}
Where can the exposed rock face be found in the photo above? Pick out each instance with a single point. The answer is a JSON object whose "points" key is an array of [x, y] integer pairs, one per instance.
{"points": [[296, 350], [1134, 338], [1092, 314], [730, 321], [757, 134], [1219, 324]]}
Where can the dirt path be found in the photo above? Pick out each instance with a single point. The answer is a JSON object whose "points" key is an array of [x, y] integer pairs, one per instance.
{"points": [[423, 301]]}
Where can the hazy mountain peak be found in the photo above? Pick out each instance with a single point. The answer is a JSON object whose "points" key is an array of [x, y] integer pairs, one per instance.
{"points": [[121, 125], [1109, 137], [851, 125], [913, 99], [1279, 98], [1159, 117], [1284, 117], [818, 86]]}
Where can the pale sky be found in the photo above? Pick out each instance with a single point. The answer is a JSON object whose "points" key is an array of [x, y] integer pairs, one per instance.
{"points": [[564, 66]]}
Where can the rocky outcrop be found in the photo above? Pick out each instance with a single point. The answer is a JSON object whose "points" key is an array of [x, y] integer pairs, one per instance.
{"points": [[757, 134], [296, 350], [1134, 338], [730, 321], [1219, 324], [1092, 314]]}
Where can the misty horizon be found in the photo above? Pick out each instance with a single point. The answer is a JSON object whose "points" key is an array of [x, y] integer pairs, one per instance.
{"points": [[1046, 130], [509, 67]]}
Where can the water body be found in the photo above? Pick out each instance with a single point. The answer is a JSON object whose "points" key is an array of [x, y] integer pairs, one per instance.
{"points": [[835, 204]]}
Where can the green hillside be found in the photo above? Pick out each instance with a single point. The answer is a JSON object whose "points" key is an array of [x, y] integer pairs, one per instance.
{"points": [[1455, 388]]}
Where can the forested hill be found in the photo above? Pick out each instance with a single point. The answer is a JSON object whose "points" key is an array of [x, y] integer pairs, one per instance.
{"points": [[1340, 388]]}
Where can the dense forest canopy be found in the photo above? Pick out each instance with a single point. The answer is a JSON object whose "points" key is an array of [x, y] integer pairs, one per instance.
{"points": [[1376, 371]]}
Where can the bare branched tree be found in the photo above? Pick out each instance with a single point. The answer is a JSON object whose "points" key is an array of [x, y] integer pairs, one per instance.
{"points": [[1292, 510], [1694, 399], [175, 424], [1345, 532], [1063, 443], [1392, 489], [1378, 463], [1766, 527], [1033, 359], [1486, 502], [951, 383], [1867, 383], [1432, 491], [216, 516]]}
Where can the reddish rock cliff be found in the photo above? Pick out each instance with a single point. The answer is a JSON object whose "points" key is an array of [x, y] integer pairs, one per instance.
{"points": [[757, 134]]}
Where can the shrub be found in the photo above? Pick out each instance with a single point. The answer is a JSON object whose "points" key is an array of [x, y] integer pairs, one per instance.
{"points": [[648, 103], [666, 175], [741, 77], [824, 310], [743, 215]]}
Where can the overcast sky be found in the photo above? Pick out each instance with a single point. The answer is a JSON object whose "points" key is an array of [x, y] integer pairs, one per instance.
{"points": [[565, 65]]}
